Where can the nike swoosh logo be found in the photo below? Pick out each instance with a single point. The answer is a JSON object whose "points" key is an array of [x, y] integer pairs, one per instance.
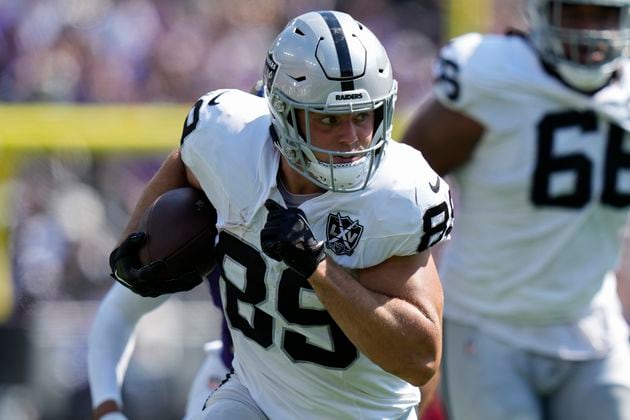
{"points": [[213, 101], [435, 187], [120, 279]]}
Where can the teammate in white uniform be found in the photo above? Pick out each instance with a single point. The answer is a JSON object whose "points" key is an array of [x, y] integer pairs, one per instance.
{"points": [[534, 130], [325, 228]]}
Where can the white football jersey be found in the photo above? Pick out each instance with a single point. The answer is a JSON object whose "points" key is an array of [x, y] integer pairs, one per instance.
{"points": [[546, 192], [293, 358]]}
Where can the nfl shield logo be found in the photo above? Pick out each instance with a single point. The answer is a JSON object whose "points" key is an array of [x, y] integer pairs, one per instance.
{"points": [[342, 234]]}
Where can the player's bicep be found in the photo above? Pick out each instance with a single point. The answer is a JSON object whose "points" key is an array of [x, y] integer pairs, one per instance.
{"points": [[445, 137], [412, 278]]}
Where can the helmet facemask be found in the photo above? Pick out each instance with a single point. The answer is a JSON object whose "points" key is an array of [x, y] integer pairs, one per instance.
{"points": [[586, 58], [316, 83], [298, 147]]}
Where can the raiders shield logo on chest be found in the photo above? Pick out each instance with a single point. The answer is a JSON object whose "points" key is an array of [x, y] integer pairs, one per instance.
{"points": [[342, 234]]}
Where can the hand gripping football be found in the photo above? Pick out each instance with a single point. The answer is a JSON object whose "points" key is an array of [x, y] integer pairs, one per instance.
{"points": [[181, 231]]}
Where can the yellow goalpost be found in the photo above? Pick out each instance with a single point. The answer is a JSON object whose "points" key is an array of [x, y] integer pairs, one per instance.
{"points": [[56, 127], [463, 16]]}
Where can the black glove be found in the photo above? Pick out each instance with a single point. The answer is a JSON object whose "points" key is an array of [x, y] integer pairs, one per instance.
{"points": [[287, 236], [152, 279]]}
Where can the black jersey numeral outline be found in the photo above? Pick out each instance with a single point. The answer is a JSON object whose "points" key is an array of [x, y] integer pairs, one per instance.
{"points": [[259, 326], [193, 115], [550, 163]]}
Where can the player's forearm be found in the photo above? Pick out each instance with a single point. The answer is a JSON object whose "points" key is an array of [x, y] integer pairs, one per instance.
{"points": [[393, 333], [109, 348], [172, 174]]}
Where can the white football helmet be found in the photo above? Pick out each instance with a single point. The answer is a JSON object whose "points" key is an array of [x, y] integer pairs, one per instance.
{"points": [[327, 62], [563, 48]]}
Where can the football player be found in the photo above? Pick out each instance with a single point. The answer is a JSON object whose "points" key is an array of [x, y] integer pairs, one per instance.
{"points": [[112, 339], [325, 230], [534, 129]]}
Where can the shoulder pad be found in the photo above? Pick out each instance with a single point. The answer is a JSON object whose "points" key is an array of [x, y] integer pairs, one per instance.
{"points": [[223, 106]]}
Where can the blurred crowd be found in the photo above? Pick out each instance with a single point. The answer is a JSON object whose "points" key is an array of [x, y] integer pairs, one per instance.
{"points": [[161, 50]]}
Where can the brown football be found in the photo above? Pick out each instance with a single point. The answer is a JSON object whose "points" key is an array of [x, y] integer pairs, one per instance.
{"points": [[181, 230]]}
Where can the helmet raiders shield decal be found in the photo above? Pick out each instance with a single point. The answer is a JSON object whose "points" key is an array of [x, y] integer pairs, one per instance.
{"points": [[269, 74], [342, 234]]}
